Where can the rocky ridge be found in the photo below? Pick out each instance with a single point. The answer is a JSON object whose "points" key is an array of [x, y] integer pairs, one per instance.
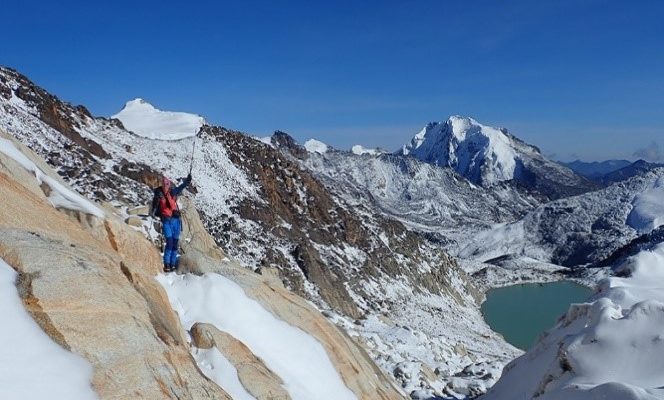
{"points": [[271, 213]]}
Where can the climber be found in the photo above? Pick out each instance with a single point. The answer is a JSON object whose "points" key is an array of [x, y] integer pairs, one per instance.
{"points": [[165, 205]]}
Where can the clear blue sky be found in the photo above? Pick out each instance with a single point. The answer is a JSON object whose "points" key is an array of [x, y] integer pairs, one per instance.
{"points": [[577, 78]]}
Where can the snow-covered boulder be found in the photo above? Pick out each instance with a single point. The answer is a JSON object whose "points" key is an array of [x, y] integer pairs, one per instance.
{"points": [[360, 150], [222, 357], [145, 120], [315, 146]]}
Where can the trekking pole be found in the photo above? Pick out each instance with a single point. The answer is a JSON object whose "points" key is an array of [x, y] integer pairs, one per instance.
{"points": [[193, 151]]}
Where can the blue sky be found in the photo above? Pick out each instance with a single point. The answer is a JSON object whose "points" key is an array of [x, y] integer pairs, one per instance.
{"points": [[578, 78]]}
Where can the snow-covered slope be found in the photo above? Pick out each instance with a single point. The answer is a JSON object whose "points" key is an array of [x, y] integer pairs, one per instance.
{"points": [[296, 357], [648, 208], [32, 365], [578, 230], [145, 120], [443, 206], [608, 348], [486, 155]]}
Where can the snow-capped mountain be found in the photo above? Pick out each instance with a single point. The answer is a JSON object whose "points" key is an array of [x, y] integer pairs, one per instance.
{"points": [[143, 119], [393, 289], [486, 155]]}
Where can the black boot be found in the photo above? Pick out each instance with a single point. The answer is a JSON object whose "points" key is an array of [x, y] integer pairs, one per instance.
{"points": [[167, 268]]}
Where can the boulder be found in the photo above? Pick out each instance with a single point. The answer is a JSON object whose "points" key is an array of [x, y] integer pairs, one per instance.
{"points": [[254, 375]]}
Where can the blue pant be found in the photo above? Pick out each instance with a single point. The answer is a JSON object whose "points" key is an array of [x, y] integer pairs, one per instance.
{"points": [[171, 228]]}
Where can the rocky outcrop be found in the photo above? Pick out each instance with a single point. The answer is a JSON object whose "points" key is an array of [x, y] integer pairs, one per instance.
{"points": [[90, 287]]}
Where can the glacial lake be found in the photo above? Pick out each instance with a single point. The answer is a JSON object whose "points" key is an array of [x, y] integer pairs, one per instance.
{"points": [[521, 312]]}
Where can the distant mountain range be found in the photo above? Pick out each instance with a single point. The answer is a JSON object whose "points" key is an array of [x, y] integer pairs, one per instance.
{"points": [[596, 169], [611, 171]]}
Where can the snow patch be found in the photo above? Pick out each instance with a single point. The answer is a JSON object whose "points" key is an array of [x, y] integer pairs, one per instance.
{"points": [[315, 146], [145, 120], [215, 366], [60, 196], [267, 140], [32, 366], [296, 357]]}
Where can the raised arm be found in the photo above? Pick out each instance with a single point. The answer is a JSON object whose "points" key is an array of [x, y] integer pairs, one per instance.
{"points": [[178, 189]]}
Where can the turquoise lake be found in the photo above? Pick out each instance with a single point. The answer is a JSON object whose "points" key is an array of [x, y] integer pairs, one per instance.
{"points": [[521, 312]]}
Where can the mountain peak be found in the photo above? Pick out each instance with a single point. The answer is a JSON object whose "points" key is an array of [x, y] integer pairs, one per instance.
{"points": [[144, 119], [137, 102], [489, 155], [482, 154]]}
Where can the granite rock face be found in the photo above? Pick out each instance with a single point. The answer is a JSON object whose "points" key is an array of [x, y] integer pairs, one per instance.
{"points": [[89, 285]]}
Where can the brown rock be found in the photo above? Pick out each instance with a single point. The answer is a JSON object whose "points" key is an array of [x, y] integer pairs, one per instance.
{"points": [[254, 375]]}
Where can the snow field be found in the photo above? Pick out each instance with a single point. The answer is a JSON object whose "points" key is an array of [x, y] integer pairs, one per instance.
{"points": [[360, 150], [32, 366], [296, 357]]}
